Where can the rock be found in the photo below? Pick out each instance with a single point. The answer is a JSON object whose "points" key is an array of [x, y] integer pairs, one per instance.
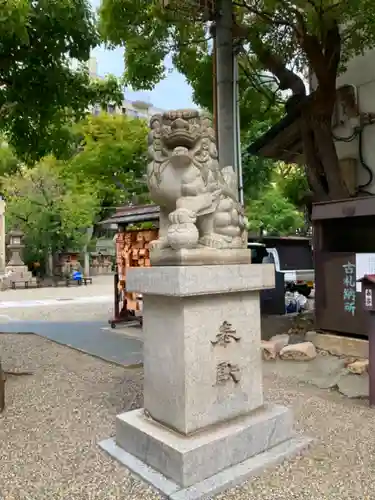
{"points": [[349, 361], [358, 367], [296, 338], [280, 341], [268, 350], [271, 348], [299, 352], [324, 371], [354, 387], [310, 333]]}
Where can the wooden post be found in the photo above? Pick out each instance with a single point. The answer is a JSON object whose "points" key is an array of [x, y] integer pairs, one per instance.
{"points": [[116, 295], [2, 389], [371, 360], [368, 305]]}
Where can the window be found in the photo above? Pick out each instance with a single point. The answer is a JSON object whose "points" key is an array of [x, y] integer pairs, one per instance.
{"points": [[268, 259], [133, 112], [258, 252], [95, 110]]}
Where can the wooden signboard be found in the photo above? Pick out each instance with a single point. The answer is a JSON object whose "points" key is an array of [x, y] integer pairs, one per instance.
{"points": [[132, 250]]}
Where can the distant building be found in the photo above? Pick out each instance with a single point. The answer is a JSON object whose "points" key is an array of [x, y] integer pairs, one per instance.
{"points": [[135, 109]]}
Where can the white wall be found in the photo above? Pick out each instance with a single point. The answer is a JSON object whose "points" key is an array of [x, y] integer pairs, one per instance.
{"points": [[140, 111], [136, 109], [361, 73]]}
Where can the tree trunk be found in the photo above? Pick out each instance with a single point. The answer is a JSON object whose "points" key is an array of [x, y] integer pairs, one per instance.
{"points": [[323, 56], [314, 169], [326, 150], [323, 168], [49, 263], [86, 262]]}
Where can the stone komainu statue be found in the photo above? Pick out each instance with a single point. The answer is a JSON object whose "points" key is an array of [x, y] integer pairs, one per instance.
{"points": [[198, 200]]}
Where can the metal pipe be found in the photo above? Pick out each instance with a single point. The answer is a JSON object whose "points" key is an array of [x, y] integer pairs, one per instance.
{"points": [[237, 130], [371, 358], [234, 130], [214, 87]]}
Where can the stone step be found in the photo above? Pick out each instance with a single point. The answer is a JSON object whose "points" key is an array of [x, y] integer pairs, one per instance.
{"points": [[339, 345]]}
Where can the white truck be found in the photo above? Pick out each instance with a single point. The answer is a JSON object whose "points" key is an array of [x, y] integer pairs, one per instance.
{"points": [[300, 280]]}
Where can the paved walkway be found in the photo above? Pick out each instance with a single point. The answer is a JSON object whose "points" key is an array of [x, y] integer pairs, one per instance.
{"points": [[91, 337], [324, 372], [58, 301], [101, 286], [76, 316]]}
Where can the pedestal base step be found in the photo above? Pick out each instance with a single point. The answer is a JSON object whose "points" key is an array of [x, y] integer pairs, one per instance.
{"points": [[199, 256], [198, 466], [213, 485]]}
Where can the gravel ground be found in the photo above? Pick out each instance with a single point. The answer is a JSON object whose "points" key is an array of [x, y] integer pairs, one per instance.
{"points": [[54, 419]]}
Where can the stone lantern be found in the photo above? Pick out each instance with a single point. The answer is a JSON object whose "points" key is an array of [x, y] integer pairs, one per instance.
{"points": [[15, 246], [16, 272]]}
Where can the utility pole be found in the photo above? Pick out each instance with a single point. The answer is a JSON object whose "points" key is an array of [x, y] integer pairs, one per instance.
{"points": [[224, 77], [225, 85], [226, 96]]}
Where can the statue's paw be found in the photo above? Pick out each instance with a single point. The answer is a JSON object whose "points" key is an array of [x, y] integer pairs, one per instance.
{"points": [[158, 244], [215, 241], [182, 216], [184, 235], [216, 195], [239, 242]]}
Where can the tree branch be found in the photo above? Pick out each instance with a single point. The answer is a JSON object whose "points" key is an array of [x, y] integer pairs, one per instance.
{"points": [[265, 16], [333, 49], [191, 42], [287, 78], [23, 219]]}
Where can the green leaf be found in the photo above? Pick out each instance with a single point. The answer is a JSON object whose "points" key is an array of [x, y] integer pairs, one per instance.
{"points": [[41, 90], [113, 157], [51, 210], [273, 213]]}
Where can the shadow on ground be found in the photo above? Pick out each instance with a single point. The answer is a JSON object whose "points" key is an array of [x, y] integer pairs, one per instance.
{"points": [[91, 337]]}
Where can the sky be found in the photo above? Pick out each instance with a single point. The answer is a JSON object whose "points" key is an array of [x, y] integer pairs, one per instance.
{"points": [[172, 93]]}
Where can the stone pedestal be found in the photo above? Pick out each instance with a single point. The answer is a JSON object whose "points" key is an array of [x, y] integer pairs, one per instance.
{"points": [[204, 426]]}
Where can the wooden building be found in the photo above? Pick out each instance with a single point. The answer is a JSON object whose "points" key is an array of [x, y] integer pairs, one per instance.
{"points": [[137, 226], [343, 235]]}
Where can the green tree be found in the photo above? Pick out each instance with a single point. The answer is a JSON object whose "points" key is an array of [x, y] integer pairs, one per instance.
{"points": [[260, 108], [274, 213], [292, 182], [258, 103], [113, 156], [286, 38], [257, 172], [53, 212], [41, 90], [9, 163]]}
